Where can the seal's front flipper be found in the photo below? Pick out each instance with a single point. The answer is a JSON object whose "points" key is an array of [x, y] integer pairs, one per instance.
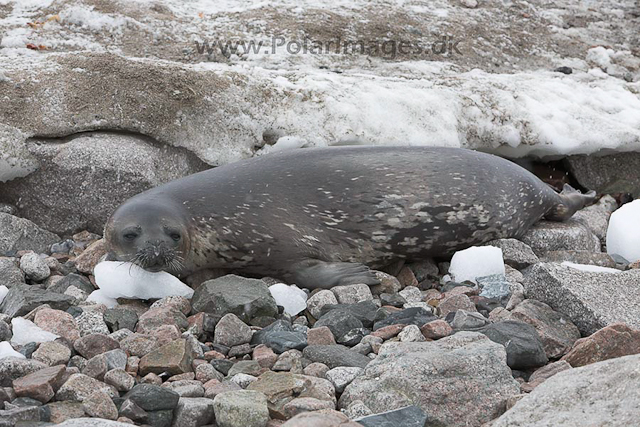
{"points": [[571, 201], [314, 274]]}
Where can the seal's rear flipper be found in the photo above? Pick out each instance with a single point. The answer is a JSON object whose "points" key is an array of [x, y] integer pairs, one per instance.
{"points": [[313, 273], [571, 201]]}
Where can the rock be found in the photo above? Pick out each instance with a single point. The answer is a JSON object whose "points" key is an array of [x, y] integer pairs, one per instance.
{"points": [[320, 336], [585, 396], [241, 408], [51, 197], [93, 422], [387, 332], [64, 411], [544, 373], [357, 409], [179, 302], [521, 341], [319, 300], [159, 317], [10, 272], [100, 405], [58, 322], [495, 287], [393, 300], [465, 367], [120, 379], [556, 331], [232, 331], [34, 267], [321, 419], [52, 353], [92, 322], [139, 344], [339, 323], [388, 284], [612, 341], [94, 344], [411, 333], [590, 300], [72, 279], [335, 355], [515, 253], [5, 332], [250, 367], [436, 329], [193, 412], [186, 388], [12, 368], [580, 257], [40, 385], [246, 298], [152, 397], [282, 387], [547, 236], [341, 376], [351, 294], [306, 404], [174, 358], [215, 387], [90, 257], [364, 311], [453, 303], [19, 234], [410, 416], [22, 299], [120, 318], [79, 386], [407, 278], [316, 369], [410, 316], [411, 294], [205, 372], [609, 174]]}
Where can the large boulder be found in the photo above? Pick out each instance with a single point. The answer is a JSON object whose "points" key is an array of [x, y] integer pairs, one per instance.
{"points": [[601, 394], [591, 300], [113, 167], [17, 234], [547, 236], [466, 367], [609, 174]]}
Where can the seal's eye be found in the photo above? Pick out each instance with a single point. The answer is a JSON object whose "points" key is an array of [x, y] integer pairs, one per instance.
{"points": [[130, 236], [175, 236]]}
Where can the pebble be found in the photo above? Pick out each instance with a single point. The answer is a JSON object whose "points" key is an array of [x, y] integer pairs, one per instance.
{"points": [[319, 300], [193, 412], [241, 408], [94, 344], [40, 385], [231, 331], [351, 294], [52, 353], [100, 405], [335, 355], [120, 379], [436, 329], [34, 267], [341, 376], [411, 333], [173, 358]]}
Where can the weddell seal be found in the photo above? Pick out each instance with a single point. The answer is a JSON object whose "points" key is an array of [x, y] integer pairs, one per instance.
{"points": [[319, 217]]}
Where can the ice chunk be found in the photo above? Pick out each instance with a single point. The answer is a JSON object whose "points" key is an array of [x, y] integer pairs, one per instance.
{"points": [[3, 292], [590, 268], [292, 298], [25, 331], [7, 351], [477, 261], [623, 233], [99, 297], [126, 280]]}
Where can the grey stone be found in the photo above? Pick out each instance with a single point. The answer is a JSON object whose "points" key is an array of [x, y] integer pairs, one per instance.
{"points": [[364, 311], [251, 367], [521, 341], [580, 257], [494, 286], [411, 333], [468, 321], [319, 300], [466, 367], [120, 379], [22, 299], [161, 418], [548, 236], [5, 331], [246, 298], [410, 316], [18, 234], [609, 174], [410, 416], [339, 322], [582, 396], [34, 267], [515, 253], [10, 273], [411, 294], [281, 341], [351, 294], [193, 412], [50, 196], [231, 331], [591, 300], [342, 376], [241, 408], [557, 331], [596, 217], [80, 282], [100, 405], [78, 387], [152, 397], [186, 388], [335, 355]]}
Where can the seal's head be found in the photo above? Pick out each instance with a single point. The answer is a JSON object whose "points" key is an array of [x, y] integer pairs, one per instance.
{"points": [[151, 234]]}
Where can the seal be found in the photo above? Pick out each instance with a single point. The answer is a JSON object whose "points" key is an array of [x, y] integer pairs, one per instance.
{"points": [[320, 217]]}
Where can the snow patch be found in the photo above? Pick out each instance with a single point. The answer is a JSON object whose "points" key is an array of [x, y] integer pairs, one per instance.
{"points": [[623, 233], [7, 351], [590, 268], [477, 261], [292, 298], [25, 331]]}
